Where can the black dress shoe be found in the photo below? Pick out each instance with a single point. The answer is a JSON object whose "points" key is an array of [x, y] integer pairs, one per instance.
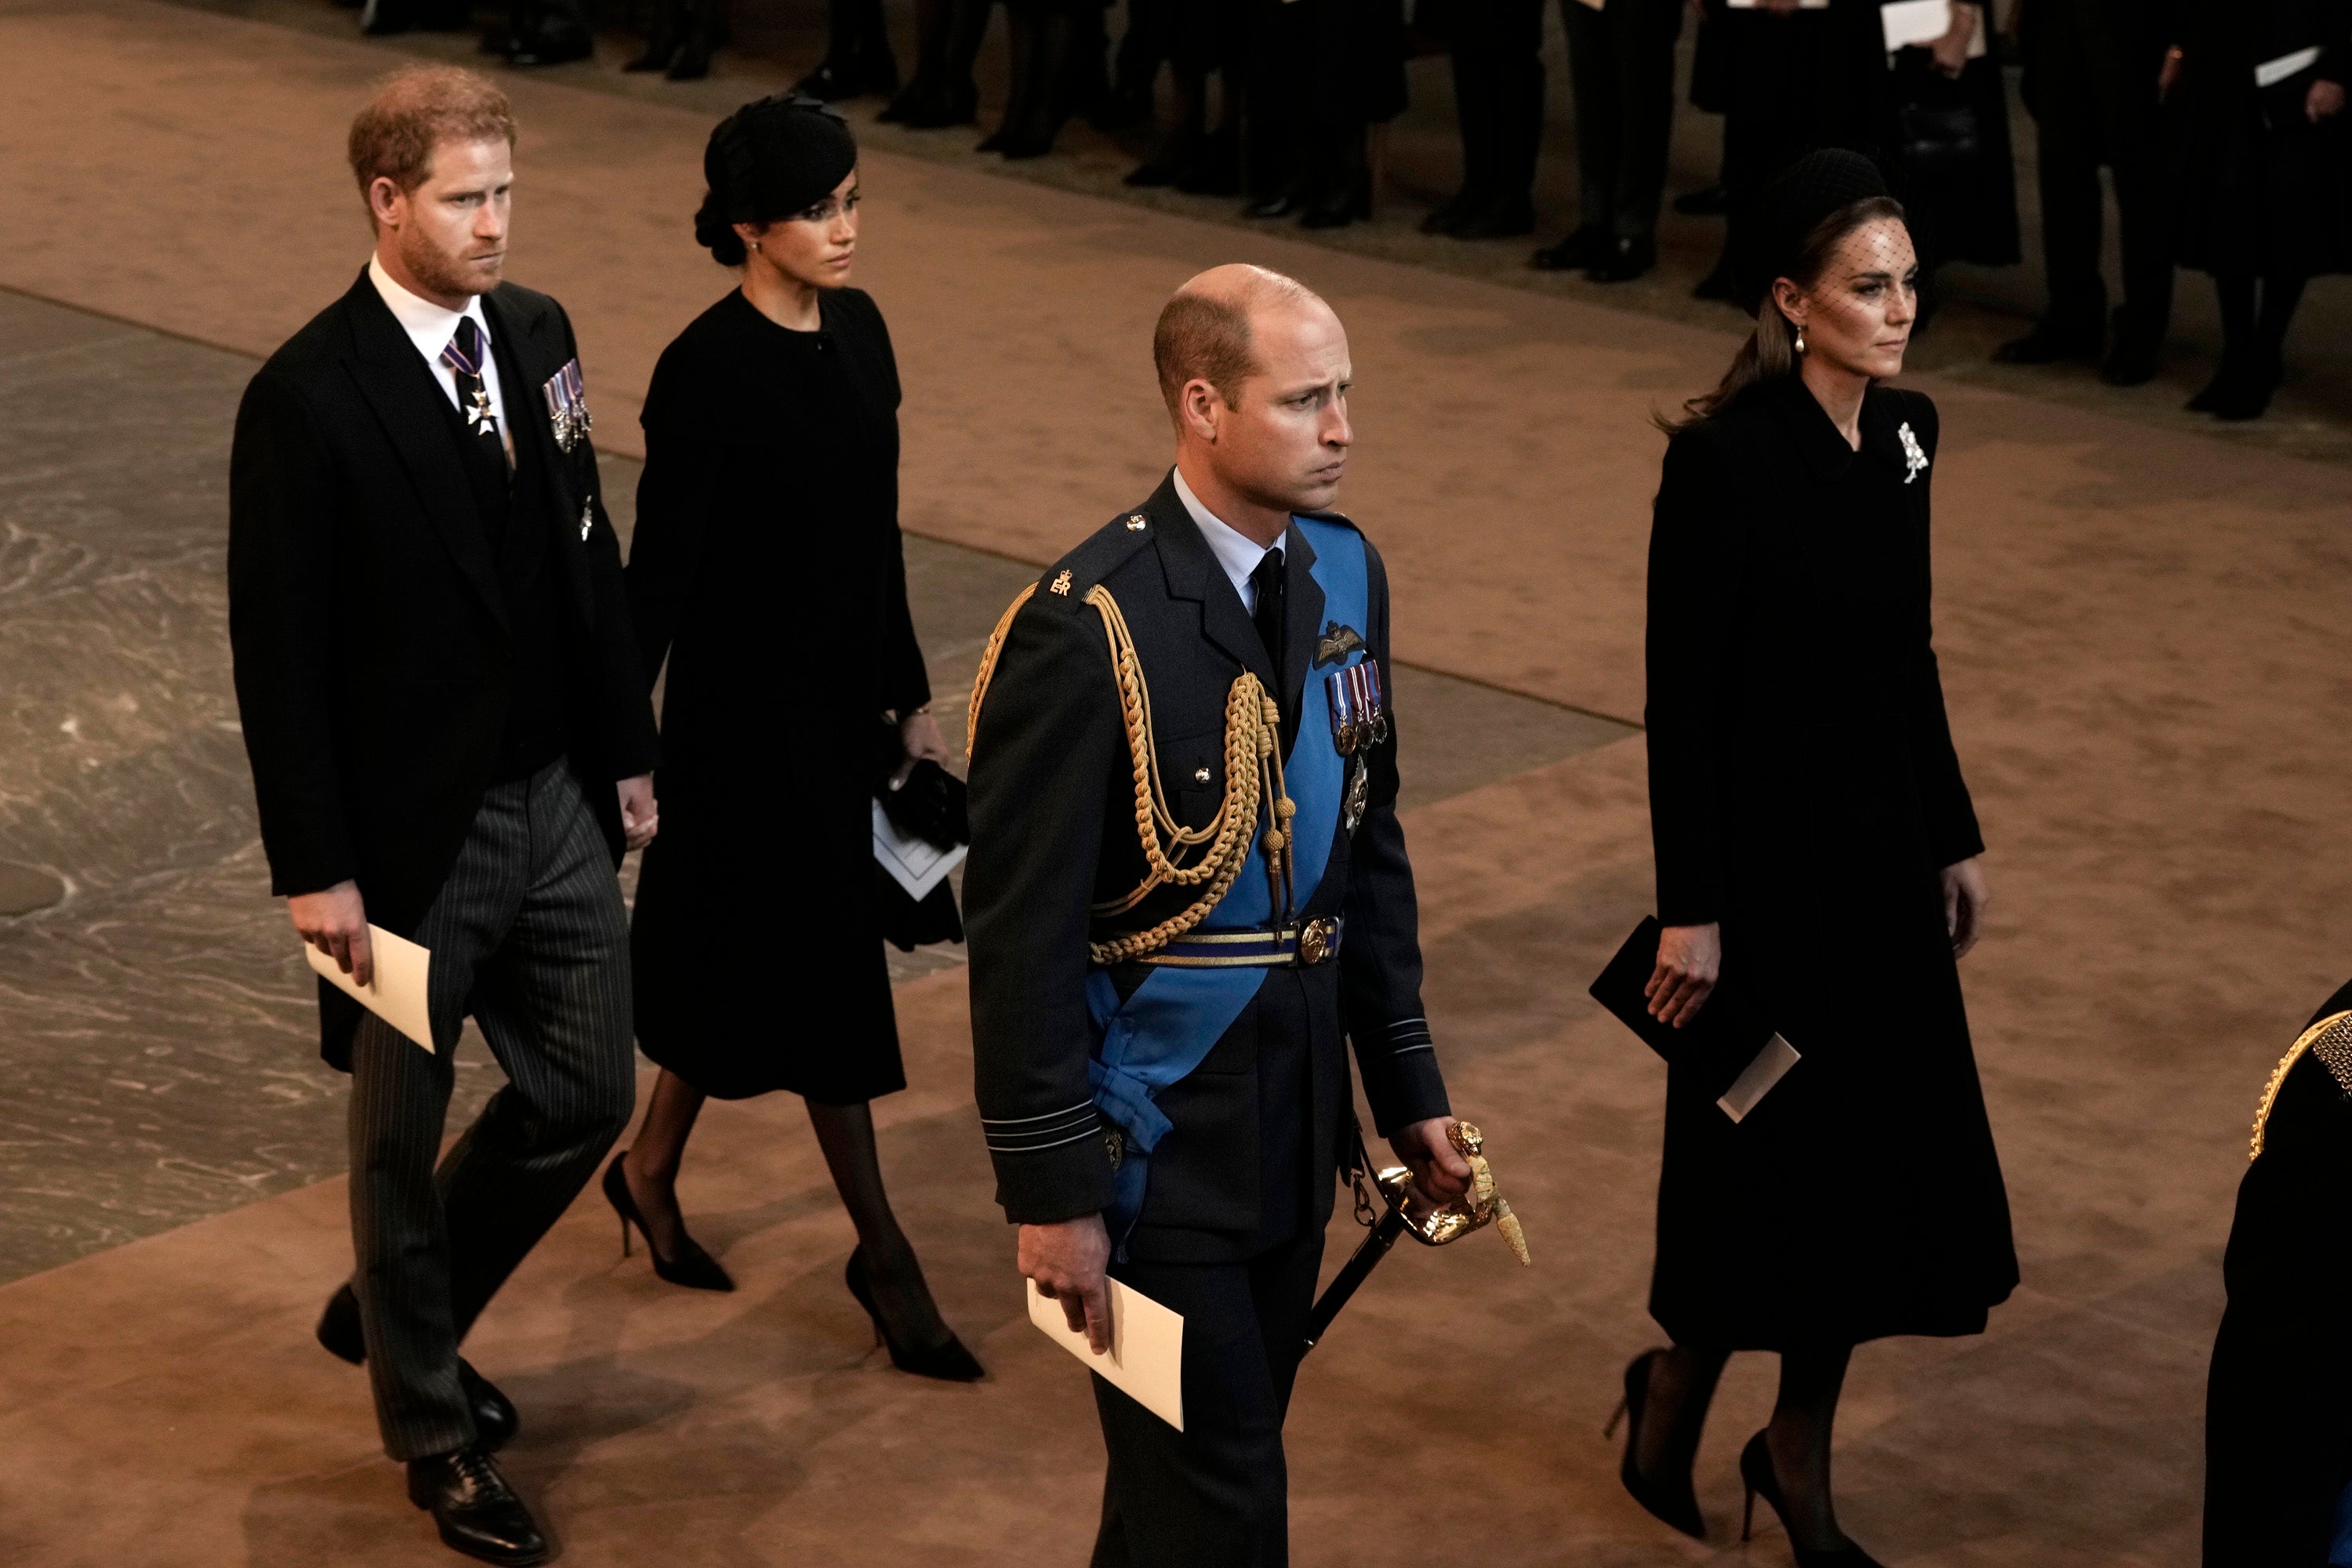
{"points": [[932, 107], [692, 1268], [1623, 260], [1669, 1501], [1339, 207], [949, 1362], [556, 44], [1496, 217], [2247, 394], [1719, 284], [496, 1420], [477, 1511], [1708, 201], [2051, 342], [1281, 204], [1214, 169], [1579, 249], [834, 82], [2134, 352], [1437, 218]]}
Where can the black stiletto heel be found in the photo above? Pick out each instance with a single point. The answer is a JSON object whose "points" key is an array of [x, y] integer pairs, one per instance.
{"points": [[1677, 1506], [692, 1268], [1756, 1474], [947, 1362]]}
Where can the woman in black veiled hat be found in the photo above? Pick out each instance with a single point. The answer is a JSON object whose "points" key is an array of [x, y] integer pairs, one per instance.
{"points": [[767, 566], [1816, 849]]}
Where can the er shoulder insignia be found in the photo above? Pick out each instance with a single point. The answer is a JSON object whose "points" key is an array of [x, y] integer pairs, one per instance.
{"points": [[1062, 583]]}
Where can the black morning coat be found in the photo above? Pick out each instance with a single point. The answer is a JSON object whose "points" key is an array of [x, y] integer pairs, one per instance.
{"points": [[1805, 794], [1259, 1128], [366, 614]]}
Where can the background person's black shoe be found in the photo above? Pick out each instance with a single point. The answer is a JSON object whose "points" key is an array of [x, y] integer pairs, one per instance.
{"points": [[1708, 201], [1624, 260], [836, 80], [1582, 248], [2134, 352], [1496, 217], [1281, 204], [477, 1511], [557, 42], [2051, 342], [1719, 284], [496, 1420], [1438, 217]]}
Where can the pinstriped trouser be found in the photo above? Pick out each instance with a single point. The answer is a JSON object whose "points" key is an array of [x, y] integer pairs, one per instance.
{"points": [[528, 936]]}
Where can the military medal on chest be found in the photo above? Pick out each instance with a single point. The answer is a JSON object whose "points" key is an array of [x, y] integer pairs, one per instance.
{"points": [[567, 405], [1360, 720]]}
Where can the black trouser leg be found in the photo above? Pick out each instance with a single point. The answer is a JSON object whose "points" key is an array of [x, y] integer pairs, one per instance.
{"points": [[1645, 51], [529, 935], [1218, 1491], [2066, 174], [1498, 84]]}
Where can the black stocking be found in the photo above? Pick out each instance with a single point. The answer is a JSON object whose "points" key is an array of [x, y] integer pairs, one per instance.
{"points": [[650, 1167], [2235, 292], [2280, 298], [845, 1132], [1799, 1441], [1682, 1386]]}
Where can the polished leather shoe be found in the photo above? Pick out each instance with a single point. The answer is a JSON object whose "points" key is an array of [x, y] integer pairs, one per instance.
{"points": [[1281, 204], [1496, 217], [1621, 261], [477, 1511], [555, 43], [2051, 342], [496, 1420], [1708, 201], [1581, 249]]}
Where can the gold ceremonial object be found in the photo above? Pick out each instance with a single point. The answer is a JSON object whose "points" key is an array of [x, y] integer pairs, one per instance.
{"points": [[1482, 1206]]}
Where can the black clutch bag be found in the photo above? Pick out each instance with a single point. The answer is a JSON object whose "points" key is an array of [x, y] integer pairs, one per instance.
{"points": [[930, 806], [1718, 1046]]}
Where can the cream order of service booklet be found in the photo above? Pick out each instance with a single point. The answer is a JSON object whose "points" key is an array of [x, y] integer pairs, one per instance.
{"points": [[1146, 1361], [398, 995]]}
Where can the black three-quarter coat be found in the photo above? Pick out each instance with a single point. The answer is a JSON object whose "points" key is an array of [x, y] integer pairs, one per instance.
{"points": [[2260, 189], [1258, 1127], [1804, 793], [375, 659], [768, 566], [2278, 1405]]}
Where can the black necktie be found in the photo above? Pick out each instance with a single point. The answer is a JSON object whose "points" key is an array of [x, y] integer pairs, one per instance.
{"points": [[464, 357], [1268, 582]]}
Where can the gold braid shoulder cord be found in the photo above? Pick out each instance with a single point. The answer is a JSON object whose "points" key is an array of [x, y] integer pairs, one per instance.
{"points": [[2330, 1040], [1253, 774]]}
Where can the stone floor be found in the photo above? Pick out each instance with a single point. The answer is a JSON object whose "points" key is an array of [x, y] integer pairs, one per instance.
{"points": [[157, 1058]]}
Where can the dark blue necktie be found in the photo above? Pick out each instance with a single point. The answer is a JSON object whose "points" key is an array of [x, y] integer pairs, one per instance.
{"points": [[1268, 582]]}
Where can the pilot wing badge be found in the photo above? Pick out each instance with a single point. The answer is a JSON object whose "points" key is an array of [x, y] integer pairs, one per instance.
{"points": [[1336, 644]]}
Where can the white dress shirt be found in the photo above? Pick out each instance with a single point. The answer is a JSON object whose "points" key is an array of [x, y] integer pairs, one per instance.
{"points": [[430, 327], [1236, 551]]}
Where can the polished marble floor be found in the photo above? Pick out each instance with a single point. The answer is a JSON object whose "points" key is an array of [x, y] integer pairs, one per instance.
{"points": [[157, 1054]]}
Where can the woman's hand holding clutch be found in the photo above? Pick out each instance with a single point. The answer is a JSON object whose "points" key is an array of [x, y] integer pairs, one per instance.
{"points": [[1690, 959], [918, 733]]}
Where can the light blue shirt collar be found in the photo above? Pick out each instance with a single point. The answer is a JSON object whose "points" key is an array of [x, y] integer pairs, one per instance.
{"points": [[1236, 551]]}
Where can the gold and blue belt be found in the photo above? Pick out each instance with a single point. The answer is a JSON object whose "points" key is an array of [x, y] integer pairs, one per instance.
{"points": [[1298, 946]]}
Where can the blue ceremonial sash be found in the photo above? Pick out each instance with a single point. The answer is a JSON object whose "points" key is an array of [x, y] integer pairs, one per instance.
{"points": [[1168, 1025]]}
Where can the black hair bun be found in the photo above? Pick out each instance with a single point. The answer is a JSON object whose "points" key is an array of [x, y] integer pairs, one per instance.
{"points": [[769, 160]]}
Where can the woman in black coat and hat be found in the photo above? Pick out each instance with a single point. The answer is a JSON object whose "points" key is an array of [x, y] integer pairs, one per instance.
{"points": [[2256, 89], [768, 566], [1817, 849]]}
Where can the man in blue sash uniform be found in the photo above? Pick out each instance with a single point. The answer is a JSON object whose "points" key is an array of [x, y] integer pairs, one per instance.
{"points": [[1187, 885]]}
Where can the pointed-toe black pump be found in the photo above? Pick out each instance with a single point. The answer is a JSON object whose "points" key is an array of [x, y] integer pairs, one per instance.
{"points": [[949, 1362], [1756, 1473], [692, 1268], [1672, 1502]]}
